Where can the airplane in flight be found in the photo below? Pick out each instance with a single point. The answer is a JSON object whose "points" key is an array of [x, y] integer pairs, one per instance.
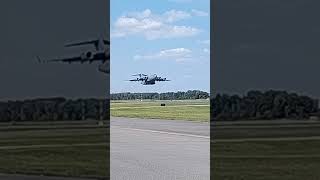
{"points": [[148, 79], [101, 53]]}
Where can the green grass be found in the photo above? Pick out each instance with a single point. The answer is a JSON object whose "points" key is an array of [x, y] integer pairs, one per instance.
{"points": [[285, 160], [66, 161], [195, 110], [84, 161]]}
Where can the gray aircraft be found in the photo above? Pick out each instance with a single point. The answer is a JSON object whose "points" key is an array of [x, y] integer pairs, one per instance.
{"points": [[101, 54], [148, 79]]}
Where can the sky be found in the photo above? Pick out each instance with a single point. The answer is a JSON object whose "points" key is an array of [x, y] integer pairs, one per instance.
{"points": [[169, 38], [266, 45], [36, 27]]}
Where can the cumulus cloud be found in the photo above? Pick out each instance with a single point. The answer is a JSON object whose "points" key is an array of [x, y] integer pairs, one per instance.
{"points": [[177, 54], [174, 15], [153, 26]]}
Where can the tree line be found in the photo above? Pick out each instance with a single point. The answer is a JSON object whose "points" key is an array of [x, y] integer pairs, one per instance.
{"points": [[191, 94], [54, 109], [257, 105]]}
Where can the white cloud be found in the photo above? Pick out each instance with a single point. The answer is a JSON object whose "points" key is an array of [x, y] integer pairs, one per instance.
{"points": [[136, 25], [199, 13], [171, 32], [144, 14], [153, 26], [177, 54], [174, 15]]}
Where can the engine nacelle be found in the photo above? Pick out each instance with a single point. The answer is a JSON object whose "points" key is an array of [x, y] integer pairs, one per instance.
{"points": [[86, 56]]}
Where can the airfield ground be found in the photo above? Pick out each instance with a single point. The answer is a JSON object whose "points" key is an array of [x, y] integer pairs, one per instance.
{"points": [[243, 150], [195, 110], [72, 149], [265, 150]]}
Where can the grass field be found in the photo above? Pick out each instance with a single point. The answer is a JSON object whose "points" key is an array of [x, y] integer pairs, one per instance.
{"points": [[284, 160], [266, 159], [80, 151], [195, 110]]}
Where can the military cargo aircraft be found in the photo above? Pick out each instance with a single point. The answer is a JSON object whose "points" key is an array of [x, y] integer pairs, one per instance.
{"points": [[148, 79], [101, 53]]}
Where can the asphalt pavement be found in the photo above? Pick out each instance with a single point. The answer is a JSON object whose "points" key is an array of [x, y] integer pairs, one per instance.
{"points": [[146, 149]]}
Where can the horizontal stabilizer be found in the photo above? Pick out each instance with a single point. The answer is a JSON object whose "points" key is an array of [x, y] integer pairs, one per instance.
{"points": [[139, 75]]}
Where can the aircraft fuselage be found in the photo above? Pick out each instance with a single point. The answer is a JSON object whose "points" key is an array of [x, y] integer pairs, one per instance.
{"points": [[150, 80]]}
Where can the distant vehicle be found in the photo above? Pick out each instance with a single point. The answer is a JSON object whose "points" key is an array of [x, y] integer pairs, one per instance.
{"points": [[101, 53], [148, 79]]}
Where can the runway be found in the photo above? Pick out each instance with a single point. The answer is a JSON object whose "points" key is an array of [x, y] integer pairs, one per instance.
{"points": [[145, 149], [175, 126]]}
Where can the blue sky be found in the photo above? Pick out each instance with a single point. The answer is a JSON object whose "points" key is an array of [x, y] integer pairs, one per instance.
{"points": [[169, 38]]}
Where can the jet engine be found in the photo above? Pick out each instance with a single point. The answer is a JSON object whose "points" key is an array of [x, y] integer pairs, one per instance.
{"points": [[86, 56]]}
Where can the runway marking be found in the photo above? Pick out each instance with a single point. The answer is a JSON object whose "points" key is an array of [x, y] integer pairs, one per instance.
{"points": [[50, 146], [267, 139], [164, 132]]}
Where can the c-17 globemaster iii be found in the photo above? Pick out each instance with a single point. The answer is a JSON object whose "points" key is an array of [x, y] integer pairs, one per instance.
{"points": [[148, 79], [101, 53]]}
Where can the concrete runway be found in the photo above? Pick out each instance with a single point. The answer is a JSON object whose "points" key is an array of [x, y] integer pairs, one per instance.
{"points": [[159, 150]]}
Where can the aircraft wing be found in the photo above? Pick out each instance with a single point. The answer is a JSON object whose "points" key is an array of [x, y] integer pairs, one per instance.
{"points": [[68, 60], [86, 43], [162, 79], [138, 79]]}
